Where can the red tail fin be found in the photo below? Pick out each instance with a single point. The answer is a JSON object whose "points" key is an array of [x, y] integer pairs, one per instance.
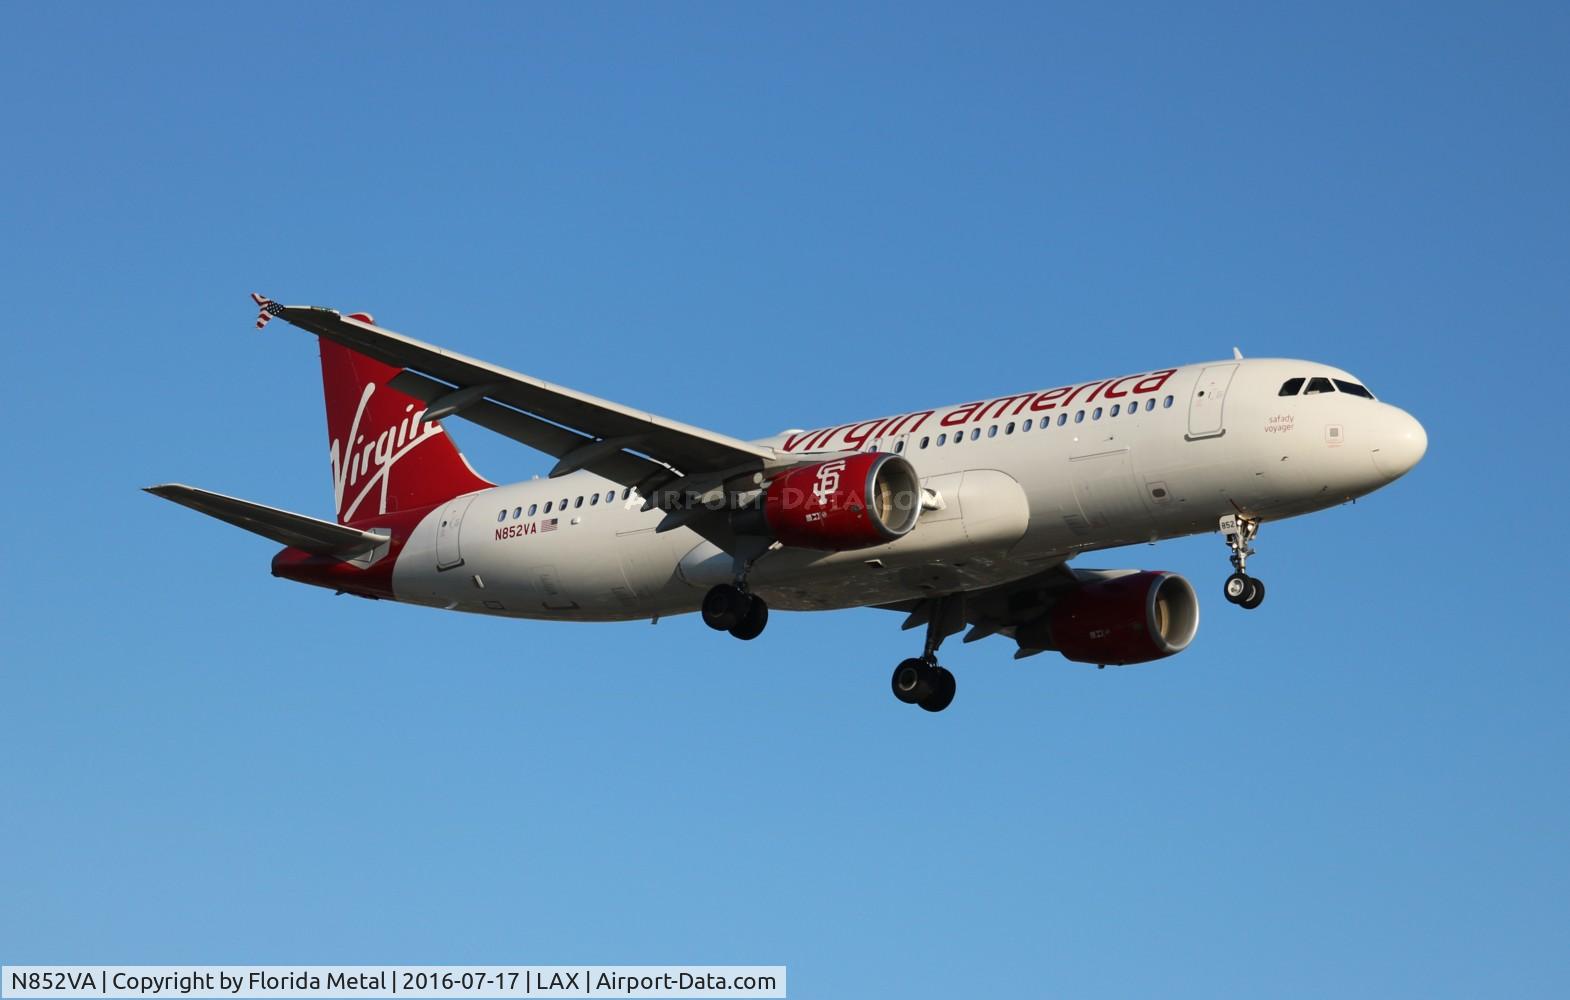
{"points": [[383, 458]]}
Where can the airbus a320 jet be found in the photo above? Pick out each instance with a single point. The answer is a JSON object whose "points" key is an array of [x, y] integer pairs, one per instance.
{"points": [[960, 517]]}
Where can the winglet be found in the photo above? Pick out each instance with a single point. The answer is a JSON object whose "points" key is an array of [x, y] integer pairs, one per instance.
{"points": [[268, 309]]}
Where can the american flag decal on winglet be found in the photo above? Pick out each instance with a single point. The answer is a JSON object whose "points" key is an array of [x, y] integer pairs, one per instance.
{"points": [[549, 524], [268, 308]]}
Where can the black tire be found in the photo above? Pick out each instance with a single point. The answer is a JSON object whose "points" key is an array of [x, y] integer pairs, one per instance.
{"points": [[942, 693], [1236, 588], [1255, 596], [910, 681], [752, 623], [723, 607]]}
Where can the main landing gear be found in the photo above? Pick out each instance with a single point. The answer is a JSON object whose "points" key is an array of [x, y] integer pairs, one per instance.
{"points": [[729, 608], [920, 680], [1240, 588]]}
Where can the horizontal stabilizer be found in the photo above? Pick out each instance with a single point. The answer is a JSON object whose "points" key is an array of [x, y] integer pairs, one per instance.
{"points": [[307, 533]]}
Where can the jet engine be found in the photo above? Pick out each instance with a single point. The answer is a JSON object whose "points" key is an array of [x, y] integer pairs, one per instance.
{"points": [[1127, 619], [845, 503]]}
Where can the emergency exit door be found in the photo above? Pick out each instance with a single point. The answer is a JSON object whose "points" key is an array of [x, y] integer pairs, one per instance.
{"points": [[448, 552], [1206, 409]]}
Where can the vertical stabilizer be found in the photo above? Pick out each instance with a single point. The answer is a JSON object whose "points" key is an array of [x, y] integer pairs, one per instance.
{"points": [[383, 458]]}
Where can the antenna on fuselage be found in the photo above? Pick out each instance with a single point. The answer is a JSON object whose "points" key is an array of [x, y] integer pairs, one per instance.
{"points": [[1237, 354]]}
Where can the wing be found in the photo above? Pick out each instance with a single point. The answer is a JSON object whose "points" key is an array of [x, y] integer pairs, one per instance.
{"points": [[625, 445], [282, 526], [999, 610]]}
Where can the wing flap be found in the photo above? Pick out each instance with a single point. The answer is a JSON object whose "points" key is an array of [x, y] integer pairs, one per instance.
{"points": [[285, 527]]}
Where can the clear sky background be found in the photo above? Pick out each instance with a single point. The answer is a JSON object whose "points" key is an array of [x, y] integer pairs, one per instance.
{"points": [[752, 218]]}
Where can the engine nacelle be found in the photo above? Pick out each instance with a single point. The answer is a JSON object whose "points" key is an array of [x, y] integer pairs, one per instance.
{"points": [[1128, 619], [846, 503]]}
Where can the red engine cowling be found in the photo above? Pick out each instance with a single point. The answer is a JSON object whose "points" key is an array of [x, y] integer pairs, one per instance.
{"points": [[847, 503], [1128, 619]]}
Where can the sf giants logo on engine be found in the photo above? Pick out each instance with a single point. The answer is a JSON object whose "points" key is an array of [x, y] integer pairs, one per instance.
{"points": [[827, 481], [368, 464]]}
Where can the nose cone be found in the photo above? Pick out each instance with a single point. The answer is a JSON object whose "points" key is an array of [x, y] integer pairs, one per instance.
{"points": [[1399, 443]]}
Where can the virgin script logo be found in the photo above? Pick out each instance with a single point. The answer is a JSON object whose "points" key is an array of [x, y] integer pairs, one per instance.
{"points": [[369, 465]]}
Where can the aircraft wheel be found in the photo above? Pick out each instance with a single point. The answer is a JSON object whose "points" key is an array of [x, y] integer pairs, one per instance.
{"points": [[942, 690], [752, 623], [910, 681], [1236, 588], [1255, 596], [724, 607]]}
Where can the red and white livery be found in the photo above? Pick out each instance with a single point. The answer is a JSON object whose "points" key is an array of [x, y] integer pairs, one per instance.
{"points": [[961, 517]]}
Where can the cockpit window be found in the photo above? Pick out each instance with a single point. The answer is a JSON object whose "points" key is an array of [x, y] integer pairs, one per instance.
{"points": [[1353, 388], [1317, 385], [1291, 386]]}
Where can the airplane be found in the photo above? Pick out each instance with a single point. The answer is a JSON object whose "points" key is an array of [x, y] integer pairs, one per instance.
{"points": [[960, 517]]}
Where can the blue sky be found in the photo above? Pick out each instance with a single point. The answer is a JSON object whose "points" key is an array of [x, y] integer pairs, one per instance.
{"points": [[753, 218]]}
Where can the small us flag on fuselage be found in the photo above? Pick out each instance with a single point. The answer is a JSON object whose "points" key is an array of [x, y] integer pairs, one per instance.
{"points": [[549, 524]]}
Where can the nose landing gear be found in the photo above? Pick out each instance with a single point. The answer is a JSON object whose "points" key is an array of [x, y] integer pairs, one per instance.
{"points": [[1240, 588]]}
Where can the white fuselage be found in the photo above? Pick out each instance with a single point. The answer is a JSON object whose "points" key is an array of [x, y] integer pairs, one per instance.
{"points": [[1035, 479]]}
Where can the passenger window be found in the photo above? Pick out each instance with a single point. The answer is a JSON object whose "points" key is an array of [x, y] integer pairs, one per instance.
{"points": [[899, 446], [627, 493], [1079, 416], [1291, 386], [1150, 404], [1062, 419], [924, 442], [501, 515], [1353, 388], [1010, 428], [548, 506], [1167, 403], [1096, 415], [1116, 409], [578, 502], [992, 431], [1319, 385], [610, 495], [534, 509], [1026, 425], [594, 500], [975, 432], [943, 439], [517, 512], [562, 505]]}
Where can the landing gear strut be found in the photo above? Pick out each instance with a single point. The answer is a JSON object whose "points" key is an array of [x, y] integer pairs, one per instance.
{"points": [[729, 608], [1240, 588], [920, 680]]}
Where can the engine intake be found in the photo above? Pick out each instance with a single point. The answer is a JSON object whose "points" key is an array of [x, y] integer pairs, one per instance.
{"points": [[846, 503], [1128, 619]]}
